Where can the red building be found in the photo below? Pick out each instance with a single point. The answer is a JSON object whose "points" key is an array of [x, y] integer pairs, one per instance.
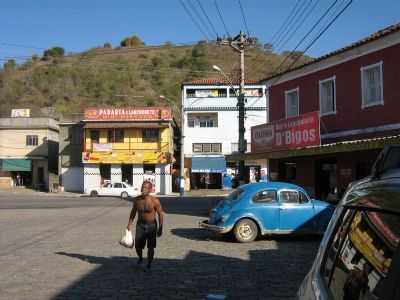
{"points": [[356, 91]]}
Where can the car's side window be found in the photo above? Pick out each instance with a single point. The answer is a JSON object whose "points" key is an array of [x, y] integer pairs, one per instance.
{"points": [[289, 197], [303, 198], [358, 262], [265, 196], [118, 185]]}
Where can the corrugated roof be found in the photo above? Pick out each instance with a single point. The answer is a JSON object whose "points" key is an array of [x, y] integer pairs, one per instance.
{"points": [[375, 36]]}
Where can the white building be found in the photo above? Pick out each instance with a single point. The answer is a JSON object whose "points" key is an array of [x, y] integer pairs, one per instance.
{"points": [[211, 129]]}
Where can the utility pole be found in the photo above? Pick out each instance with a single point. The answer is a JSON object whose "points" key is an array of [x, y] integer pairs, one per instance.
{"points": [[238, 43]]}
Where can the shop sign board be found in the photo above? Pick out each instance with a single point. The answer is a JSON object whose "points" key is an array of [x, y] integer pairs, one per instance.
{"points": [[102, 147], [206, 93], [128, 114], [20, 113], [127, 158], [285, 134]]}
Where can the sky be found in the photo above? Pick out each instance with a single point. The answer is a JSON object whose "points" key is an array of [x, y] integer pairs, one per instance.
{"points": [[28, 27]]}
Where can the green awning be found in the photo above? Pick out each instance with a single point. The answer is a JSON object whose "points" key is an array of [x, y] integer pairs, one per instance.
{"points": [[16, 165]]}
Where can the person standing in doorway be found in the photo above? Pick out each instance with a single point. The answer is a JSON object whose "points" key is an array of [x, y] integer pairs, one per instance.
{"points": [[147, 229], [18, 179]]}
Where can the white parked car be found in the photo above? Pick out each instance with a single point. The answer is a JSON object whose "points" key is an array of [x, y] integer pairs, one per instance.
{"points": [[116, 189]]}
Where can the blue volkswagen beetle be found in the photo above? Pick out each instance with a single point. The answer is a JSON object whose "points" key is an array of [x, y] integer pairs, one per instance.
{"points": [[268, 208]]}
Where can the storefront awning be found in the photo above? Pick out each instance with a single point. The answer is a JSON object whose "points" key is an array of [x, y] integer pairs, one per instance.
{"points": [[208, 164], [339, 147], [16, 165]]}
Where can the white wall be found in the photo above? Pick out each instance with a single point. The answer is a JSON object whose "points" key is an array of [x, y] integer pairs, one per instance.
{"points": [[227, 130], [91, 176]]}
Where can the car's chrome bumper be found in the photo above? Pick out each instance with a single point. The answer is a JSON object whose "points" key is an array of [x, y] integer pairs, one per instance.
{"points": [[204, 224]]}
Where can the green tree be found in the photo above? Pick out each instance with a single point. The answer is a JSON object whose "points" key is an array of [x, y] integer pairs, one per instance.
{"points": [[107, 45], [132, 41], [10, 65], [53, 52]]}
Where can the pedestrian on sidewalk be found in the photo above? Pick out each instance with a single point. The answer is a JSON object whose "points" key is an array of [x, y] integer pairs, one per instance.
{"points": [[147, 229]]}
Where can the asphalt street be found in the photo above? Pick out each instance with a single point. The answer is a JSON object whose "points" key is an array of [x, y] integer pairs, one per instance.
{"points": [[67, 248]]}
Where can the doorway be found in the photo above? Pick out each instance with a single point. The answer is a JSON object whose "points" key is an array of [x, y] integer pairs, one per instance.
{"points": [[127, 173], [105, 173], [326, 179]]}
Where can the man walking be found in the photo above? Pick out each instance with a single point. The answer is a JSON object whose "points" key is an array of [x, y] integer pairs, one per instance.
{"points": [[146, 206]]}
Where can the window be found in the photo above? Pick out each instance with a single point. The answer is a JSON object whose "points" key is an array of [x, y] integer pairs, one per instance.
{"points": [[110, 136], [32, 140], [203, 120], [119, 135], [265, 196], [207, 147], [150, 133], [118, 185], [358, 260], [303, 198], [289, 197], [206, 93], [94, 136], [327, 96], [248, 92], [235, 195], [292, 103], [372, 85], [191, 122]]}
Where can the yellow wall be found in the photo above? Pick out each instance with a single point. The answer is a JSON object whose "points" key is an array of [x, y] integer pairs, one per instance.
{"points": [[13, 142], [134, 149]]}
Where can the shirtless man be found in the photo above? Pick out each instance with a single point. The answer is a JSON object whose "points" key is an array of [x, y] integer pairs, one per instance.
{"points": [[147, 207]]}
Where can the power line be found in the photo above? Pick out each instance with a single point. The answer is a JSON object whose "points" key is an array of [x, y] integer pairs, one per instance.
{"points": [[286, 28], [314, 40], [244, 18], [193, 19], [208, 19], [299, 21], [22, 46], [199, 17], [221, 18], [285, 22], [307, 34]]}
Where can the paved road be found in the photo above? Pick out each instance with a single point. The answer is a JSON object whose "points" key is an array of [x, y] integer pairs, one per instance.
{"points": [[70, 251]]}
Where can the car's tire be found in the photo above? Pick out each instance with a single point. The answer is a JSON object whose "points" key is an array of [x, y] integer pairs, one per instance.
{"points": [[94, 194], [245, 231], [124, 195]]}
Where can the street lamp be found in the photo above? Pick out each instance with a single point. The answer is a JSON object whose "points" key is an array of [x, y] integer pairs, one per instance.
{"points": [[182, 158]]}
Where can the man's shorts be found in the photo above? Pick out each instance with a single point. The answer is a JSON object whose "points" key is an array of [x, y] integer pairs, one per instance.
{"points": [[146, 232]]}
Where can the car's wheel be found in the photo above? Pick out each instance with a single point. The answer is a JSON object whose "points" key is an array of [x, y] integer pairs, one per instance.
{"points": [[124, 195], [245, 231], [94, 194]]}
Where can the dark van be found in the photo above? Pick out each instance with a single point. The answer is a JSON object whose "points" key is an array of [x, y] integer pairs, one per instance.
{"points": [[359, 256]]}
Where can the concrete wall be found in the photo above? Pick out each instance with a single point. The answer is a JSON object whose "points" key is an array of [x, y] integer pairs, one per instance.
{"points": [[13, 142], [72, 179]]}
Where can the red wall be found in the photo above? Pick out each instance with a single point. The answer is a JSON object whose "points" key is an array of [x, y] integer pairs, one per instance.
{"points": [[349, 114]]}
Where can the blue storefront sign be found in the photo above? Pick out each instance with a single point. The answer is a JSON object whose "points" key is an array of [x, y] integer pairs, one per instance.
{"points": [[208, 164]]}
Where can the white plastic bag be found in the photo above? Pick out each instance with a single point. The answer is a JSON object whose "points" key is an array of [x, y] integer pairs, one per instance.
{"points": [[127, 239]]}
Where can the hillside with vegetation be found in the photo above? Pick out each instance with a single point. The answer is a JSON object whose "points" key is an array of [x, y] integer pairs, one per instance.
{"points": [[130, 75]]}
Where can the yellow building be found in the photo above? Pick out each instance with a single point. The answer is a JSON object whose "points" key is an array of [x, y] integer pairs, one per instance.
{"points": [[129, 145], [29, 152]]}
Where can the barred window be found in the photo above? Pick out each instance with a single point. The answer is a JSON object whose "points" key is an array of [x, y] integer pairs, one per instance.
{"points": [[207, 147], [32, 140]]}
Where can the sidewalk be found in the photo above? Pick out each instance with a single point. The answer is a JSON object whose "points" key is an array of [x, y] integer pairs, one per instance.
{"points": [[28, 191]]}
